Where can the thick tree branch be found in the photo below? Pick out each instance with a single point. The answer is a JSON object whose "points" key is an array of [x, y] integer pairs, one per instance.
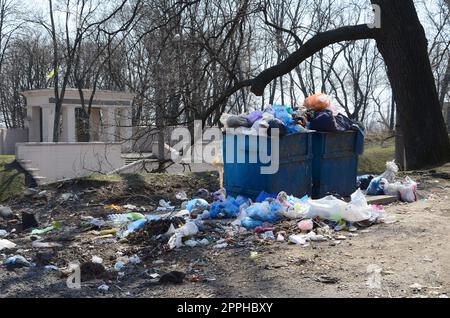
{"points": [[312, 46]]}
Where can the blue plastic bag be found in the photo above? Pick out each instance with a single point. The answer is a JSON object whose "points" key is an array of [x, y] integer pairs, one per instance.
{"points": [[223, 210], [375, 187], [265, 212], [250, 223], [197, 205], [263, 196], [137, 225], [282, 114]]}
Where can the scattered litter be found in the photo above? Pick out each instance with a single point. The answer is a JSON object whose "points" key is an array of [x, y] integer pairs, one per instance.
{"points": [[54, 226], [68, 197], [5, 244], [254, 255], [165, 206], [6, 212], [130, 207], [416, 287], [103, 288], [135, 260], [16, 261], [40, 244], [3, 233], [268, 235], [114, 207], [182, 196], [327, 279], [188, 230], [221, 246], [51, 268], [306, 225], [96, 259], [119, 266]]}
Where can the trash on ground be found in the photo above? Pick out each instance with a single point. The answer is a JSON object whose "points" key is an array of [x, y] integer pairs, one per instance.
{"points": [[5, 244], [16, 261], [6, 212]]}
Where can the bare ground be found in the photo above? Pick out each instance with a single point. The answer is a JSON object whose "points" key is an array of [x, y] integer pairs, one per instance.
{"points": [[415, 250]]}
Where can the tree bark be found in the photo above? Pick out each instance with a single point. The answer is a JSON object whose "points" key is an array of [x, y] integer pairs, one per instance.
{"points": [[403, 45]]}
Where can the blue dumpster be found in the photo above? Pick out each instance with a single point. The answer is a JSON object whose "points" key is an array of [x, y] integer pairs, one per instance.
{"points": [[335, 162], [244, 176]]}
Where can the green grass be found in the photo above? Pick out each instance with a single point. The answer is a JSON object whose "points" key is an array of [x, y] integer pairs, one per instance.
{"points": [[375, 156], [12, 180], [98, 177]]}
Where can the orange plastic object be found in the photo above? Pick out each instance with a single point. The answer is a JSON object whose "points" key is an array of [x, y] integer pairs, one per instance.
{"points": [[317, 102]]}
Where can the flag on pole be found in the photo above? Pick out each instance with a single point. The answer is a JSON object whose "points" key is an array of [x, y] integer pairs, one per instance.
{"points": [[51, 74]]}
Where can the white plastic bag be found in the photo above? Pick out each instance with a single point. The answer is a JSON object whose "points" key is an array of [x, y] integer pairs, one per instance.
{"points": [[391, 171], [333, 209], [357, 210], [408, 190], [296, 212], [392, 189], [329, 208], [189, 229]]}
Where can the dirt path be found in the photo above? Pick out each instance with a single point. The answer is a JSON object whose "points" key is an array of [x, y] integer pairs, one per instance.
{"points": [[392, 257]]}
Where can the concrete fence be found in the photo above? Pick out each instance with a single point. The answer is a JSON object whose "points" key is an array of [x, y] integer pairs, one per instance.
{"points": [[61, 161]]}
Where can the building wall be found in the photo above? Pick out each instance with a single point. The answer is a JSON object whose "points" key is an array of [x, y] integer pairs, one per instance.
{"points": [[70, 160], [10, 137]]}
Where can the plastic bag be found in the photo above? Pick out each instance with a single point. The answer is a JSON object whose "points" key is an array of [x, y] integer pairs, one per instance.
{"points": [[250, 223], [266, 212], [333, 209], [391, 171], [224, 119], [189, 229], [297, 211], [329, 208], [238, 121], [263, 196], [408, 190], [357, 210], [282, 114], [254, 116], [317, 102], [197, 206], [376, 186], [392, 189]]}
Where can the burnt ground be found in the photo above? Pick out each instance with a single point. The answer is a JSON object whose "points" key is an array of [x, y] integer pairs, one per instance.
{"points": [[409, 258]]}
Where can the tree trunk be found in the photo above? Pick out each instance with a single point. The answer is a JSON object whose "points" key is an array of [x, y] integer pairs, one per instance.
{"points": [[403, 44]]}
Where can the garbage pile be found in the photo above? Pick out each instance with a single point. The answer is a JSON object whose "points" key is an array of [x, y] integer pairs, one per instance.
{"points": [[389, 184], [270, 217], [317, 113]]}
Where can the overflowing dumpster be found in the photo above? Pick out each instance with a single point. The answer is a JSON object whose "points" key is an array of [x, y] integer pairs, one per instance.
{"points": [[242, 167], [314, 164], [335, 162]]}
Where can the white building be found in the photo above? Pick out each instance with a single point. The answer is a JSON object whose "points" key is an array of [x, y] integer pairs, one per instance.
{"points": [[110, 130]]}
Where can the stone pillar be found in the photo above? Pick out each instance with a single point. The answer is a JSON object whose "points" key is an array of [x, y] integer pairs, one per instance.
{"points": [[48, 121], [68, 124], [108, 124], [127, 129], [34, 123]]}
